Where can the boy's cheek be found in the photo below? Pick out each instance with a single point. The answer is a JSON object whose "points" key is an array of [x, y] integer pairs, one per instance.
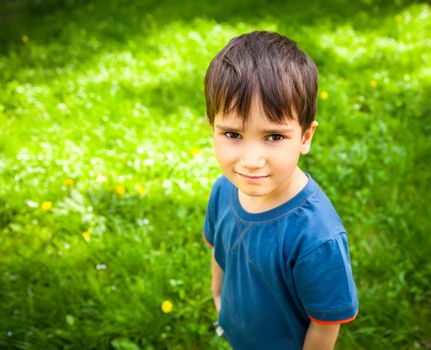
{"points": [[223, 150]]}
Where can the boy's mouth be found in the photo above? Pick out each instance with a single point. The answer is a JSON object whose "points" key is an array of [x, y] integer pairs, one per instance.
{"points": [[253, 178]]}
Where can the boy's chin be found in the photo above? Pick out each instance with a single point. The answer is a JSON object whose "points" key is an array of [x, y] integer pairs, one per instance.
{"points": [[250, 192]]}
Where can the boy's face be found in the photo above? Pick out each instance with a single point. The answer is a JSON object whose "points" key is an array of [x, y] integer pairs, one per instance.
{"points": [[261, 158]]}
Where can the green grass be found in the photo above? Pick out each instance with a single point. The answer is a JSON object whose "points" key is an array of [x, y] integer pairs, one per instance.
{"points": [[109, 94]]}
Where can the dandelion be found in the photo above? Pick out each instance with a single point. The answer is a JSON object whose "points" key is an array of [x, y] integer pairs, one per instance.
{"points": [[167, 306], [69, 182], [86, 235], [141, 190], [120, 189], [195, 151], [24, 38], [373, 83], [46, 205], [398, 18], [324, 95]]}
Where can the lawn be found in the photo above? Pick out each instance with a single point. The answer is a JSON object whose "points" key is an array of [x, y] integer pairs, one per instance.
{"points": [[106, 165]]}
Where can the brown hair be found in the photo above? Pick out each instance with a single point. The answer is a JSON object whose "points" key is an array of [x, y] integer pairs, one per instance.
{"points": [[267, 65]]}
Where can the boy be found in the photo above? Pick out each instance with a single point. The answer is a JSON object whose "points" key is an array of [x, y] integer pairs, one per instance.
{"points": [[281, 274]]}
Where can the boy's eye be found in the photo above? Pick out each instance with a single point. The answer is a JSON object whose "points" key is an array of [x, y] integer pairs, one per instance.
{"points": [[232, 135], [275, 137]]}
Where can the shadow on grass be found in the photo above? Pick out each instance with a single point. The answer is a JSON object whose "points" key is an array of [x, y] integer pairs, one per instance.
{"points": [[115, 21]]}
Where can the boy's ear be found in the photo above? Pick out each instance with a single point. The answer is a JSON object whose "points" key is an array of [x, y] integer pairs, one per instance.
{"points": [[307, 137]]}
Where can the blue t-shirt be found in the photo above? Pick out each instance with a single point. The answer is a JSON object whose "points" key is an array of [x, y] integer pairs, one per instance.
{"points": [[281, 267]]}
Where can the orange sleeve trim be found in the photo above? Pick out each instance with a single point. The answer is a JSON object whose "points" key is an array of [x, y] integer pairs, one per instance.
{"points": [[334, 322], [205, 239]]}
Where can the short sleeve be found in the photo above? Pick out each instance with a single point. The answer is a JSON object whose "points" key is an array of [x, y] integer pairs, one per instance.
{"points": [[325, 284]]}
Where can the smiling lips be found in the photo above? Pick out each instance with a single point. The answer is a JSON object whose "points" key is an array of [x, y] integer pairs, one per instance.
{"points": [[253, 179]]}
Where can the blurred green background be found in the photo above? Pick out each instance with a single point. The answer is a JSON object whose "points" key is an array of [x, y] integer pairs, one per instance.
{"points": [[106, 165]]}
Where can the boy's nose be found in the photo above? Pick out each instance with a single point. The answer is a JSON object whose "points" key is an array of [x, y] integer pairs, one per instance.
{"points": [[252, 159]]}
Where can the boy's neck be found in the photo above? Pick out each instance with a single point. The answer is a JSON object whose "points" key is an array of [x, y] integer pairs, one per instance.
{"points": [[290, 189]]}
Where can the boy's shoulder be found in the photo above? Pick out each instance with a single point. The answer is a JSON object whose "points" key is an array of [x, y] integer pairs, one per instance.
{"points": [[220, 186], [323, 206], [221, 181], [318, 220]]}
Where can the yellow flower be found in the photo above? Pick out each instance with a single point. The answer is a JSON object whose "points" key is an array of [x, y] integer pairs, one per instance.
{"points": [[46, 205], [324, 95], [86, 235], [398, 18], [167, 306], [24, 38], [195, 151], [373, 83], [120, 189], [69, 182], [141, 190]]}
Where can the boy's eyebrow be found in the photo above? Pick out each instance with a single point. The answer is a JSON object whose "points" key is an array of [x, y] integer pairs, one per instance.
{"points": [[267, 131], [228, 128], [277, 131]]}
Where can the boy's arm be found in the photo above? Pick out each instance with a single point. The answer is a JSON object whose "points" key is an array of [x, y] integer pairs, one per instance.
{"points": [[217, 280], [321, 336]]}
